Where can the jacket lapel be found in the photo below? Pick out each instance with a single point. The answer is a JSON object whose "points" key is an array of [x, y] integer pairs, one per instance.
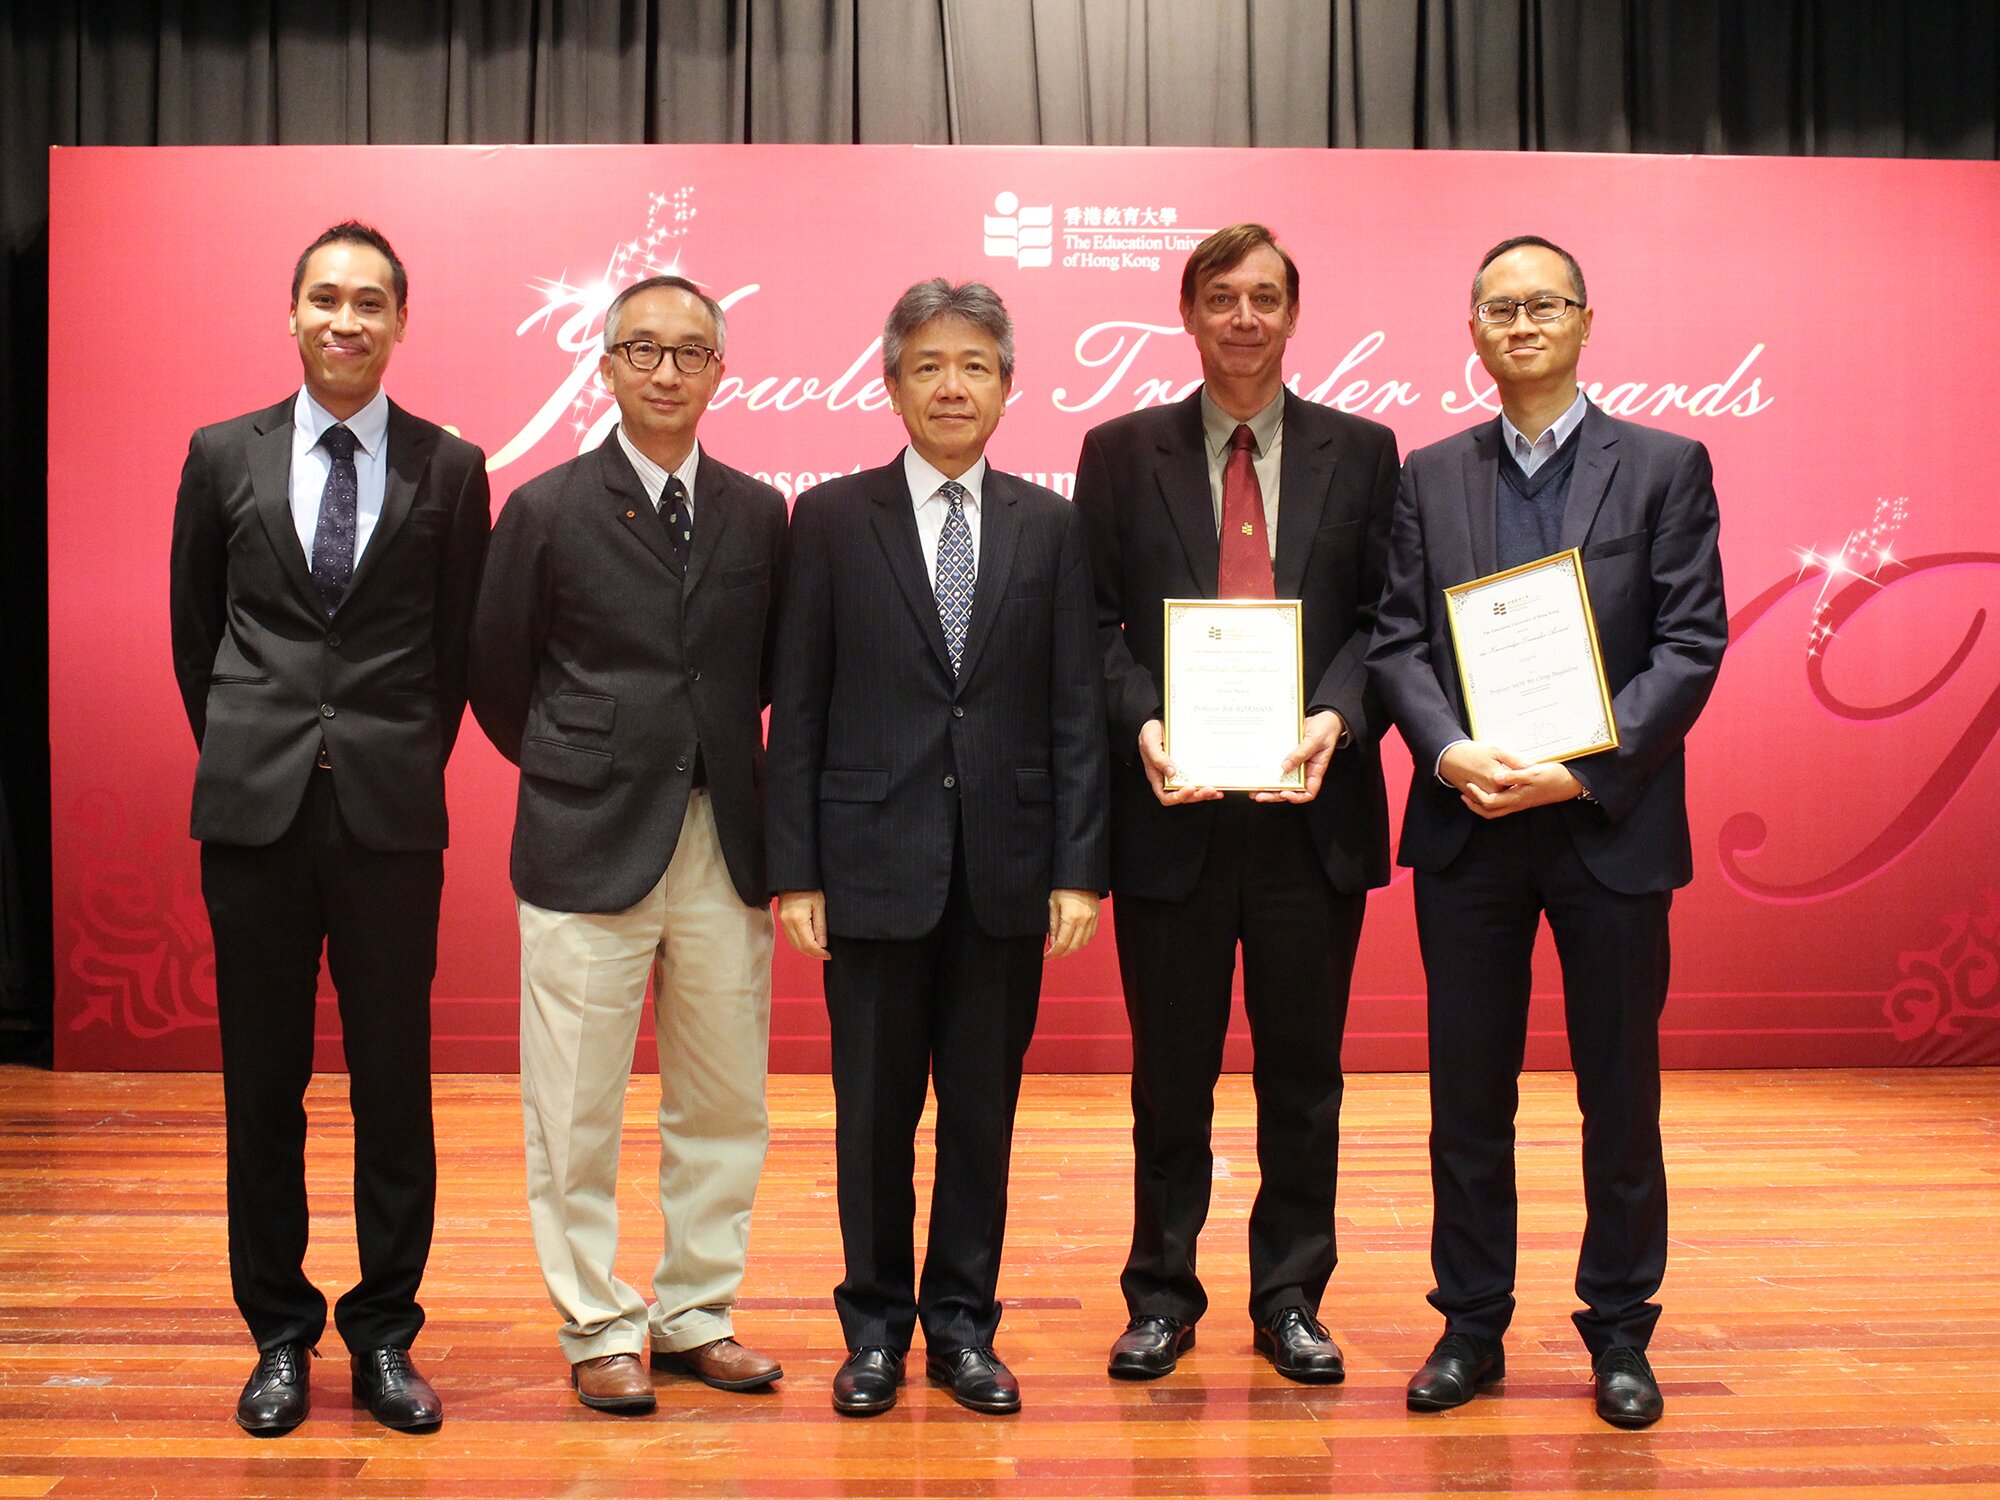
{"points": [[711, 517], [627, 497], [1482, 478], [1596, 459], [269, 455], [1305, 478], [1182, 474], [896, 530], [999, 532], [410, 446]]}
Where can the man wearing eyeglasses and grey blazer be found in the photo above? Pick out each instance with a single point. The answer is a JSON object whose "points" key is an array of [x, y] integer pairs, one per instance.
{"points": [[620, 659]]}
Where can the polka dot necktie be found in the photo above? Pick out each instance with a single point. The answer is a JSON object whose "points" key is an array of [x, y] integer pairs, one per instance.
{"points": [[678, 518], [954, 572], [333, 534]]}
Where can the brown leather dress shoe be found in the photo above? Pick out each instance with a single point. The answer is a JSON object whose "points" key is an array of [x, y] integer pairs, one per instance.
{"points": [[722, 1363], [613, 1382]]}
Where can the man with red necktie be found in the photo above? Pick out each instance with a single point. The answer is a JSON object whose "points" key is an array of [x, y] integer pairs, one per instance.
{"points": [[1243, 490]]}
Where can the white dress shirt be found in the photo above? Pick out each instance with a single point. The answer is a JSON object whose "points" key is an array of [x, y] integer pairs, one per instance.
{"points": [[1531, 456], [312, 464], [932, 508], [654, 478]]}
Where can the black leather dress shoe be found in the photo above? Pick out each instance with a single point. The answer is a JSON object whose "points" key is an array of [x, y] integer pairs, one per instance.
{"points": [[276, 1396], [1299, 1349], [1458, 1366], [1150, 1348], [978, 1381], [395, 1394], [866, 1385], [1627, 1393]]}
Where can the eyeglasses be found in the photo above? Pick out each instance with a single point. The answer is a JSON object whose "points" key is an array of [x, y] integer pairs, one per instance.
{"points": [[1543, 309], [644, 354]]}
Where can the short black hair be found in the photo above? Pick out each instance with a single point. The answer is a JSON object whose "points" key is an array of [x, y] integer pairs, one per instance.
{"points": [[354, 232], [1519, 240]]}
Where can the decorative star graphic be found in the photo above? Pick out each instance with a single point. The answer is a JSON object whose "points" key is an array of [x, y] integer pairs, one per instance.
{"points": [[1861, 557]]}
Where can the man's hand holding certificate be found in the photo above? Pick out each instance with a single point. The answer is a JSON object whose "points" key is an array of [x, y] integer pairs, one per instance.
{"points": [[1235, 716], [1533, 680]]}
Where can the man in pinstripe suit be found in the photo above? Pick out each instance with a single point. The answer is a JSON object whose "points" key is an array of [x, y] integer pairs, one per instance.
{"points": [[936, 816]]}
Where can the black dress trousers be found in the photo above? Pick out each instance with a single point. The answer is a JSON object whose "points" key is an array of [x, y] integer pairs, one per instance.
{"points": [[1262, 887], [1476, 924], [273, 908], [956, 1009]]}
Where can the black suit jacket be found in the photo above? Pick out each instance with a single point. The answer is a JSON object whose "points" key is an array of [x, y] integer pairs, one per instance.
{"points": [[878, 753], [1642, 507], [598, 668], [266, 676], [1142, 487]]}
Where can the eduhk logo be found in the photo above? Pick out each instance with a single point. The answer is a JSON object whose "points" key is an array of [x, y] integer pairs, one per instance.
{"points": [[1023, 234]]}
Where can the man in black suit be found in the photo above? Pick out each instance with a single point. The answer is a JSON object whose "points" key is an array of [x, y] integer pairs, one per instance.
{"points": [[1500, 840], [326, 552], [936, 814], [1241, 490], [619, 660]]}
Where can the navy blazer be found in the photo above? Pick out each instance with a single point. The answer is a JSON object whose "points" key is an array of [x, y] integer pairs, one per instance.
{"points": [[1642, 508], [598, 667], [1142, 487], [880, 756], [266, 676]]}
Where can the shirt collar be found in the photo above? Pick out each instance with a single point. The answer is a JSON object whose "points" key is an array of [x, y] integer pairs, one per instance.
{"points": [[652, 476], [1218, 426], [370, 425], [925, 481], [1558, 433]]}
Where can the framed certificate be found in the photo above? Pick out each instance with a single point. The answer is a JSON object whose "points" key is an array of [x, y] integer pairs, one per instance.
{"points": [[1235, 694], [1529, 661]]}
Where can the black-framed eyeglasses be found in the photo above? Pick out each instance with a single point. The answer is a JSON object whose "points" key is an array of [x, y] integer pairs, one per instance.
{"points": [[1543, 309], [645, 354]]}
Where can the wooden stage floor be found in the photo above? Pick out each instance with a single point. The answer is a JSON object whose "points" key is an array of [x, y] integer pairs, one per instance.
{"points": [[1832, 1324]]}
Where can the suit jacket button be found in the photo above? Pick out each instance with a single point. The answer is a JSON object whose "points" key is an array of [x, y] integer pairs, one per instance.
{"points": [[958, 710], [680, 762], [694, 676], [326, 710], [951, 781], [333, 639]]}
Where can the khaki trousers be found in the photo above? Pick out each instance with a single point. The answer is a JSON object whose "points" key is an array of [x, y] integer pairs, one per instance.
{"points": [[583, 985]]}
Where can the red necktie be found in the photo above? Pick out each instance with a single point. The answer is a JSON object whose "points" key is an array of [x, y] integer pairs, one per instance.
{"points": [[1246, 554]]}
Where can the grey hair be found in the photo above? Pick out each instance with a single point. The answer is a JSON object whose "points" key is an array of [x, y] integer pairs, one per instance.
{"points": [[973, 302], [1535, 240], [616, 310]]}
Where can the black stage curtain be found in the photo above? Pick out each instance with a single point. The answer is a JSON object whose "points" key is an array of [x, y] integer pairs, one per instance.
{"points": [[1792, 77]]}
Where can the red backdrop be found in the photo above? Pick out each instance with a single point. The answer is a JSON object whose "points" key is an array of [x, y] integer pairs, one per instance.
{"points": [[1825, 327]]}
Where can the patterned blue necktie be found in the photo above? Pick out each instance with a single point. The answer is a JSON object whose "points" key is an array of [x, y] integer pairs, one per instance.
{"points": [[333, 534], [677, 518], [954, 572]]}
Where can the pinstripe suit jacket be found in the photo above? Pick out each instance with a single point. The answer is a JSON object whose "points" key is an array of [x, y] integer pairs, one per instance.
{"points": [[879, 757]]}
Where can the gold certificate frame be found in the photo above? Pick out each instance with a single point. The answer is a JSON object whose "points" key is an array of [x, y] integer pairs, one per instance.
{"points": [[1235, 693], [1529, 662]]}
